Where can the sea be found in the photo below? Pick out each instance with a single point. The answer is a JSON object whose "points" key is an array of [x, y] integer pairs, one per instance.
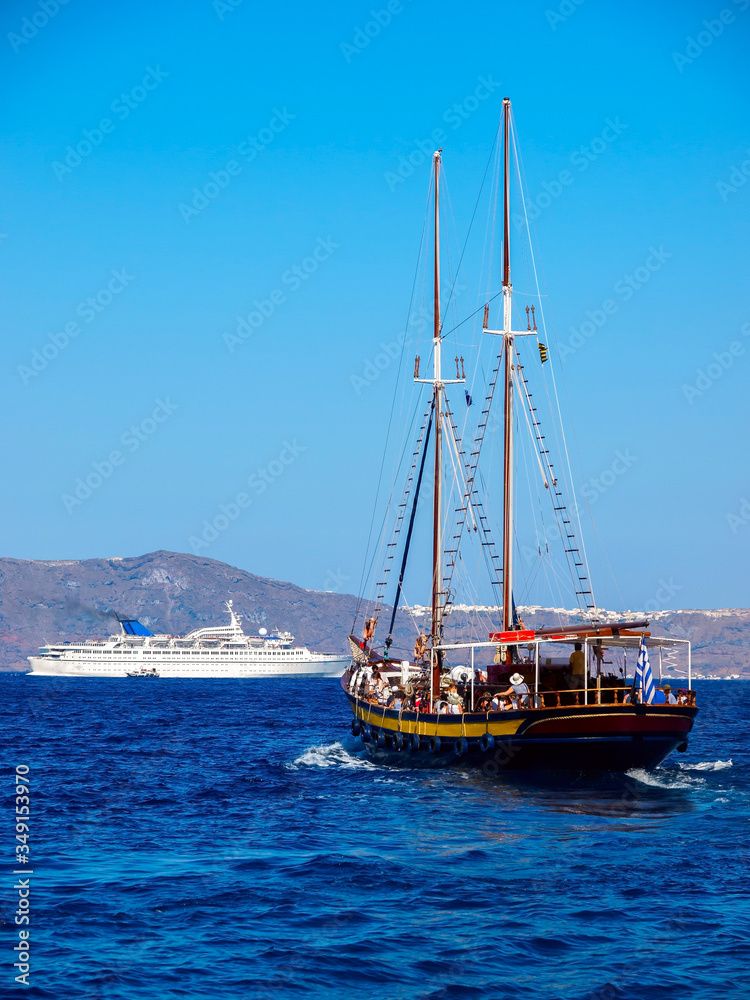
{"points": [[230, 840]]}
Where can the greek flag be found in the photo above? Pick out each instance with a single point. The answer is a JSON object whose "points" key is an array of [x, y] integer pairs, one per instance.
{"points": [[644, 682]]}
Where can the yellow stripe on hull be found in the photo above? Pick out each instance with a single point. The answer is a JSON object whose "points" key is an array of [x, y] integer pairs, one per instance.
{"points": [[376, 717]]}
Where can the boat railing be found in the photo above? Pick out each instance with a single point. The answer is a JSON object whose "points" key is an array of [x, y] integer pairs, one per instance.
{"points": [[573, 697], [599, 687], [563, 698]]}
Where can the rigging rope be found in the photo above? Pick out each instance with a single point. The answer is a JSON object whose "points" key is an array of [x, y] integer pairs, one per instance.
{"points": [[390, 417], [571, 487], [411, 523]]}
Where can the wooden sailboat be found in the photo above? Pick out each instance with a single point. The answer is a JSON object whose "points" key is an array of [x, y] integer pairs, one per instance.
{"points": [[529, 710]]}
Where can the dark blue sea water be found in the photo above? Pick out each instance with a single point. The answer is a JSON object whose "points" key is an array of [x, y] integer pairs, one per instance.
{"points": [[229, 839]]}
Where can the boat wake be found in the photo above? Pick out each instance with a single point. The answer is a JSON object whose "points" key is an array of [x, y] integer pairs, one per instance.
{"points": [[708, 765], [659, 780], [331, 755]]}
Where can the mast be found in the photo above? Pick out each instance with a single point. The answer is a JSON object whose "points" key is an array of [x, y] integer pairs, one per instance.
{"points": [[437, 500], [438, 383], [508, 403]]}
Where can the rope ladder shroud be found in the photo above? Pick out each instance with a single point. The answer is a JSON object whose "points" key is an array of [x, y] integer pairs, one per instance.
{"points": [[572, 552], [472, 498]]}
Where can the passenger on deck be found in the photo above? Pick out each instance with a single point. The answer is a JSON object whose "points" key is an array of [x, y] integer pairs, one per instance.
{"points": [[578, 666], [518, 690], [380, 688], [501, 703], [455, 702], [484, 703], [682, 697], [480, 677], [368, 685], [395, 700], [669, 697], [422, 700]]}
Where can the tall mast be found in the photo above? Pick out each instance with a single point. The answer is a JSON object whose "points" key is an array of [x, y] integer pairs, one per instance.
{"points": [[437, 504], [508, 407], [438, 383], [509, 335]]}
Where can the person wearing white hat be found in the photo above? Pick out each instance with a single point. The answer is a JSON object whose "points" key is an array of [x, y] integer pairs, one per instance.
{"points": [[518, 689]]}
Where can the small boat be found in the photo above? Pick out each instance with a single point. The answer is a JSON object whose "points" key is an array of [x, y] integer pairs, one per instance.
{"points": [[143, 672], [556, 697]]}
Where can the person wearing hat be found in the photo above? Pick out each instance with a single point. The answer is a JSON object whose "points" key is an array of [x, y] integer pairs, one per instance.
{"points": [[518, 689], [484, 704], [663, 696]]}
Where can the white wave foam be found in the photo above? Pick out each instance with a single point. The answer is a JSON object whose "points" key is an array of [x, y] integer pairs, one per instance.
{"points": [[331, 755], [707, 765], [657, 780]]}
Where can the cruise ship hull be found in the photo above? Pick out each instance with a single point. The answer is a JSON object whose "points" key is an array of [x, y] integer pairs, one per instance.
{"points": [[43, 666]]}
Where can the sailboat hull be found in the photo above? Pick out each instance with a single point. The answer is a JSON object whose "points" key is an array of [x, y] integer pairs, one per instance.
{"points": [[593, 737]]}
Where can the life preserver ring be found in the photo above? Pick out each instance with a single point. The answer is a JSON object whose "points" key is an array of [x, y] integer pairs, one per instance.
{"points": [[461, 746], [435, 744], [398, 741], [366, 732], [486, 742], [356, 727]]}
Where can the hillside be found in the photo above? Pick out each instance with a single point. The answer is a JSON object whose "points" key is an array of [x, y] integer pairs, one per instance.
{"points": [[168, 592], [174, 592]]}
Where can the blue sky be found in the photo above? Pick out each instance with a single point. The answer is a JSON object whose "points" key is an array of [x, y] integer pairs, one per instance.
{"points": [[280, 131]]}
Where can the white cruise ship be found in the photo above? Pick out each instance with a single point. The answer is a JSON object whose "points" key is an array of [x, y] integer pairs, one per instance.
{"points": [[224, 651]]}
